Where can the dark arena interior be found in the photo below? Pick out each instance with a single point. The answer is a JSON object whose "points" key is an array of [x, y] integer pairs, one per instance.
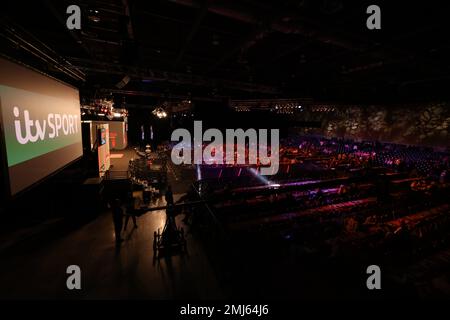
{"points": [[212, 150]]}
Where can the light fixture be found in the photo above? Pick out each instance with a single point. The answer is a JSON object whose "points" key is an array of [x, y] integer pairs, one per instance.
{"points": [[94, 15], [160, 113]]}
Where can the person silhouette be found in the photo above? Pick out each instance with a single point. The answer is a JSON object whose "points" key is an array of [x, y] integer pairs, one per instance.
{"points": [[169, 195], [130, 212], [117, 215]]}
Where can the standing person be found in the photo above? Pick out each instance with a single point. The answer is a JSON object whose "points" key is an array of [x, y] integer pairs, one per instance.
{"points": [[169, 195], [131, 212], [117, 215]]}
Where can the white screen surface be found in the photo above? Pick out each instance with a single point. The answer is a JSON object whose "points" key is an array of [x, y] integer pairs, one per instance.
{"points": [[41, 127]]}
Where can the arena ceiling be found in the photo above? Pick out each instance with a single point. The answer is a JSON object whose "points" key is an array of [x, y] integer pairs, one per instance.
{"points": [[216, 49]]}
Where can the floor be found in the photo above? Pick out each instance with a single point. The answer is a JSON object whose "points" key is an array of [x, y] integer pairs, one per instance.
{"points": [[107, 271], [130, 271], [121, 164]]}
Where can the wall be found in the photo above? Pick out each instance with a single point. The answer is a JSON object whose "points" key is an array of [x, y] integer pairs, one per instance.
{"points": [[426, 124], [117, 135]]}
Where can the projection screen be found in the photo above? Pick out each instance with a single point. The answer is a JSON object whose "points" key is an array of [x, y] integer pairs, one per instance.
{"points": [[40, 122]]}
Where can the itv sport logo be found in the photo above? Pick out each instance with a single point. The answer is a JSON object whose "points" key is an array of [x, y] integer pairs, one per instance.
{"points": [[52, 127]]}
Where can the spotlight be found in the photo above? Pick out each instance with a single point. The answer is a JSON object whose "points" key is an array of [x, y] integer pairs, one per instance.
{"points": [[94, 16], [160, 113]]}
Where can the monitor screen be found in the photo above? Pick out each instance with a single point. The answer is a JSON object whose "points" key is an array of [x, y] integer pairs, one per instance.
{"points": [[102, 136]]}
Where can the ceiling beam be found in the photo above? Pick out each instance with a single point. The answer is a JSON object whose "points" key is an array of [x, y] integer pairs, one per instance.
{"points": [[239, 14], [20, 38], [241, 49], [198, 21], [127, 13], [73, 33], [159, 95], [145, 73]]}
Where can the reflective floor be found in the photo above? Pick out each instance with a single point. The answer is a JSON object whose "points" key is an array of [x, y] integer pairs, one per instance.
{"points": [[110, 272], [128, 271]]}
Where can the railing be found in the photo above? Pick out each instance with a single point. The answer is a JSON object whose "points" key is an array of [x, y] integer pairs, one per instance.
{"points": [[219, 230], [117, 175]]}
